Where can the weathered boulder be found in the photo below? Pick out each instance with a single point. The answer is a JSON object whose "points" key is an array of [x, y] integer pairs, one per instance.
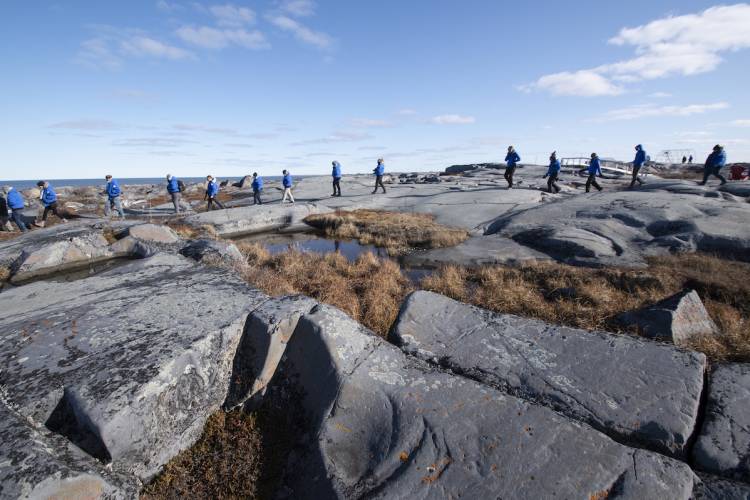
{"points": [[154, 233], [63, 255], [628, 388], [385, 425], [127, 364], [723, 445], [477, 251], [676, 319], [624, 227], [37, 464], [715, 488], [213, 249], [256, 219]]}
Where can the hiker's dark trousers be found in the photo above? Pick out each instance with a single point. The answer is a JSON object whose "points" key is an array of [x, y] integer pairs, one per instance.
{"points": [[635, 176], [337, 186], [256, 197], [592, 182], [707, 171], [18, 219], [211, 202], [379, 182], [509, 171], [552, 184], [50, 208]]}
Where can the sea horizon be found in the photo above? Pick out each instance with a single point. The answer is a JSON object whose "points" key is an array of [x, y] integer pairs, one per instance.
{"points": [[125, 181]]}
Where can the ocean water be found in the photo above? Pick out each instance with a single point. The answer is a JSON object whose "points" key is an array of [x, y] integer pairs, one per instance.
{"points": [[58, 183]]}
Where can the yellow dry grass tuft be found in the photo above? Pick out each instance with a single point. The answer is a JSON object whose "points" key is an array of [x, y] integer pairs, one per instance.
{"points": [[4, 274], [395, 231]]}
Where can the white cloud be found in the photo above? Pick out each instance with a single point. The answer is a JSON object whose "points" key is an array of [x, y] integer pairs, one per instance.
{"points": [[406, 112], [298, 8], [683, 45], [660, 95], [232, 15], [339, 136], [647, 110], [168, 6], [741, 123], [86, 124], [143, 46], [213, 38], [304, 34], [453, 120], [370, 123]]}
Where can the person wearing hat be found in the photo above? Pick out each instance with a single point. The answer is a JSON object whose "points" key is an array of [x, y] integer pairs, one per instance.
{"points": [[511, 162], [594, 170], [640, 159], [257, 186], [336, 174], [173, 188], [552, 172], [287, 182], [49, 199], [212, 191], [113, 197], [379, 171], [16, 204], [714, 162]]}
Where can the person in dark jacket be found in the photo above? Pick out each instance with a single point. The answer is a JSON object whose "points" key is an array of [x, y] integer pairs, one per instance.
{"points": [[379, 171], [552, 173], [16, 204], [257, 186], [715, 161], [287, 182], [638, 162], [511, 162], [173, 188], [4, 215], [113, 196], [49, 199], [336, 174], [594, 170], [690, 159], [212, 191]]}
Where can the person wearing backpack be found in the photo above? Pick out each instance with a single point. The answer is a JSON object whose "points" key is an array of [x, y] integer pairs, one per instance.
{"points": [[714, 163], [174, 188], [594, 170], [113, 195], [257, 186], [638, 162], [336, 174], [16, 205], [511, 162], [212, 191], [552, 172], [287, 182], [48, 198], [379, 171]]}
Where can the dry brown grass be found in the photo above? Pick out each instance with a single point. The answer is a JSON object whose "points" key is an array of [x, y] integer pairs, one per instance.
{"points": [[369, 289], [189, 232], [4, 274], [396, 232], [592, 298]]}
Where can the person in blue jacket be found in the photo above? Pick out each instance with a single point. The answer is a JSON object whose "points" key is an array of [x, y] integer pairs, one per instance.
{"points": [[336, 174], [552, 173], [113, 196], [257, 186], [212, 191], [511, 162], [49, 199], [594, 170], [379, 171], [173, 188], [16, 204], [287, 182], [638, 162], [714, 162]]}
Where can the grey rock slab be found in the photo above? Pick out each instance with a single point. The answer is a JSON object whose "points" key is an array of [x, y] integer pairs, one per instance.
{"points": [[477, 251], [129, 363], [35, 464], [723, 445], [153, 233], [675, 319], [633, 390], [213, 249], [385, 425], [257, 219], [715, 488]]}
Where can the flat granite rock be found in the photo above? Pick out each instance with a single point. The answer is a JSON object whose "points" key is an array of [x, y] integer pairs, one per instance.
{"points": [[631, 389], [127, 364], [477, 251], [385, 425], [723, 445], [715, 488], [35, 465], [256, 218]]}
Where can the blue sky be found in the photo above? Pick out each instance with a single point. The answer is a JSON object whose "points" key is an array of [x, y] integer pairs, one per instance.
{"points": [[142, 88]]}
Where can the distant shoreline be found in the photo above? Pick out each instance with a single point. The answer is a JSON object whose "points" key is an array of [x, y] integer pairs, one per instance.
{"points": [[134, 181]]}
